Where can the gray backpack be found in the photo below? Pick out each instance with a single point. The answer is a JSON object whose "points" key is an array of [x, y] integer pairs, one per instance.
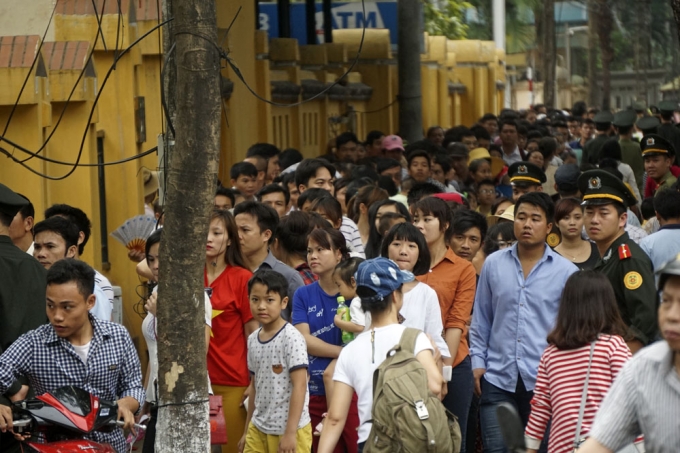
{"points": [[407, 418]]}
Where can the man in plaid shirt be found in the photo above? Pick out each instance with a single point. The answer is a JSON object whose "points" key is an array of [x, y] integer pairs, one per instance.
{"points": [[77, 349]]}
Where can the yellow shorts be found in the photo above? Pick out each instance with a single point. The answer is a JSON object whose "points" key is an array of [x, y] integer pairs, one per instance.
{"points": [[259, 442]]}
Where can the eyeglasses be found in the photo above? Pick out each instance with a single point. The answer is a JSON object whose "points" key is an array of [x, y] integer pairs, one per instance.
{"points": [[486, 191]]}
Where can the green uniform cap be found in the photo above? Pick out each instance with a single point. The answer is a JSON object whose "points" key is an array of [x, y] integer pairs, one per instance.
{"points": [[653, 144], [603, 118], [526, 174], [600, 187], [10, 201], [648, 124], [668, 106], [625, 118]]}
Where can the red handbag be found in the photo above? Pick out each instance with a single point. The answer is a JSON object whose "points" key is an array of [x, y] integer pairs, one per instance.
{"points": [[218, 427]]}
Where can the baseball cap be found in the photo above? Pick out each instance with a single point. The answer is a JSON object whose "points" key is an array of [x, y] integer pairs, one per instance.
{"points": [[392, 142], [382, 277], [566, 177], [450, 196]]}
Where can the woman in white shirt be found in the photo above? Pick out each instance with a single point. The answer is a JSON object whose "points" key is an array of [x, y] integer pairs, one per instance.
{"points": [[405, 245], [149, 330], [379, 284]]}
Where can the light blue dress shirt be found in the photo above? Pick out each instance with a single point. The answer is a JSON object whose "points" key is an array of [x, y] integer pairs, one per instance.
{"points": [[512, 315], [663, 245]]}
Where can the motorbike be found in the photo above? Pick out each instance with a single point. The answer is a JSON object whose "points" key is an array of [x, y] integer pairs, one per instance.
{"points": [[62, 418]]}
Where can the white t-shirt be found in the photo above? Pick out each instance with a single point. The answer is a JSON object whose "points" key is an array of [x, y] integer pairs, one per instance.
{"points": [[150, 331], [270, 363], [421, 311], [357, 363], [359, 316], [82, 351]]}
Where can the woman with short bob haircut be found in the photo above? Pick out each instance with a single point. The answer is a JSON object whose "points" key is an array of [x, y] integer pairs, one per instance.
{"points": [[588, 322], [375, 213]]}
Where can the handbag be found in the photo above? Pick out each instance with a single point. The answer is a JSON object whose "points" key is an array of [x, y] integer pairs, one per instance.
{"points": [[578, 440], [218, 426]]}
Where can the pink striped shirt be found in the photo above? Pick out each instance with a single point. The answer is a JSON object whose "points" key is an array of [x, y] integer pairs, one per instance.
{"points": [[559, 386]]}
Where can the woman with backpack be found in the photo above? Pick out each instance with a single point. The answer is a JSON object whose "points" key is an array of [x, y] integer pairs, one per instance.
{"points": [[587, 341], [379, 282]]}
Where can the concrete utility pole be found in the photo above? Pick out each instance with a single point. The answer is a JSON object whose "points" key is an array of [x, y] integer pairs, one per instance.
{"points": [[549, 54], [410, 19], [182, 376], [499, 40]]}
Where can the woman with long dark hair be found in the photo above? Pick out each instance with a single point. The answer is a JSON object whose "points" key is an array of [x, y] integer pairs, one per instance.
{"points": [[588, 334], [375, 213]]}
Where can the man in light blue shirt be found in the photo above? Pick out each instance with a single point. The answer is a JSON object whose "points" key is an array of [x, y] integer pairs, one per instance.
{"points": [[664, 245], [515, 308]]}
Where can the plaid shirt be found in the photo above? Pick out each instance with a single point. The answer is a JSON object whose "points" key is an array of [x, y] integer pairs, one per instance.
{"points": [[112, 372], [306, 273]]}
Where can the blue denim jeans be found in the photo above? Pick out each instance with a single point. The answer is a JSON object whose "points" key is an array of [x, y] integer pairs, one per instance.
{"points": [[361, 446], [491, 397], [458, 399]]}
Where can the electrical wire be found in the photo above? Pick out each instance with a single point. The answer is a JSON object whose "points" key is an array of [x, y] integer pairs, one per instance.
{"points": [[58, 162], [396, 99], [237, 71]]}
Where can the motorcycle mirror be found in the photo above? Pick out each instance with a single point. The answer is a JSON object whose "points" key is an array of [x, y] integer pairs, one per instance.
{"points": [[511, 427]]}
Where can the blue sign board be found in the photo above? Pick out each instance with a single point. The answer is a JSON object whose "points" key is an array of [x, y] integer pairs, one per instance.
{"points": [[344, 15]]}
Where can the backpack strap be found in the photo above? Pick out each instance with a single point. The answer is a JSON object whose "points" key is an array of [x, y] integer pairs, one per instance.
{"points": [[408, 340]]}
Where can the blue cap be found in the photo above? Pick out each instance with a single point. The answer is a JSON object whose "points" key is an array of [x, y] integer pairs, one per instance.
{"points": [[382, 276]]}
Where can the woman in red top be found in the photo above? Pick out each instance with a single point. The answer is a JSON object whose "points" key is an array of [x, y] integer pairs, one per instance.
{"points": [[454, 280], [232, 322], [588, 312]]}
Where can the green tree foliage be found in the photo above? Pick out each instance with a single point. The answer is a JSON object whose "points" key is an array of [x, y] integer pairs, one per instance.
{"points": [[520, 33], [446, 18]]}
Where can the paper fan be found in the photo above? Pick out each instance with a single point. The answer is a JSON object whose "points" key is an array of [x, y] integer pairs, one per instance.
{"points": [[133, 233]]}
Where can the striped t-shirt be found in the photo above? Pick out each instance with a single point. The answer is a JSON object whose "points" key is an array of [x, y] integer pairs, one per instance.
{"points": [[559, 387]]}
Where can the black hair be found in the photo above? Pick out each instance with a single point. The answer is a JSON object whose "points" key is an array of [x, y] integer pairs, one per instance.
{"points": [[497, 203], [233, 255], [456, 134], [647, 208], [623, 130], [76, 216], [26, 210], [408, 232], [602, 127], [292, 232], [345, 138], [534, 135], [488, 116], [506, 230], [431, 129], [152, 240], [330, 207], [226, 192], [65, 228], [375, 306], [667, 204], [422, 145], [547, 146], [485, 182], [260, 163], [475, 164], [418, 153], [385, 163], [243, 168], [610, 149], [308, 169], [354, 187], [330, 239], [444, 161], [267, 218], [539, 199], [71, 270], [372, 248], [579, 108], [289, 178], [431, 206], [507, 122], [266, 150], [421, 190], [347, 268], [387, 184], [464, 219], [608, 162], [373, 136], [311, 195], [480, 132], [388, 220], [363, 171], [6, 219], [274, 188], [275, 282], [288, 157]]}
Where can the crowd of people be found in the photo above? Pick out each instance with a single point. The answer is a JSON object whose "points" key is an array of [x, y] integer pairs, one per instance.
{"points": [[524, 248]]}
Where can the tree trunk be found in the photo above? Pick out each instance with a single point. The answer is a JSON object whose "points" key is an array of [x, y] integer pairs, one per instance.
{"points": [[675, 4], [593, 99], [182, 377], [549, 54], [605, 24]]}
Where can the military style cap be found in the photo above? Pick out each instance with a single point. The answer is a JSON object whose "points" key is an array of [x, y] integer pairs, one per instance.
{"points": [[648, 124], [625, 118], [600, 187], [566, 177], [638, 107], [668, 106], [653, 144], [603, 118], [669, 269], [10, 201], [526, 174]]}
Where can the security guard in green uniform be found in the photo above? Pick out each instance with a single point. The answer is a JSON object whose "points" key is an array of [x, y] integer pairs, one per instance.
{"points": [[603, 125], [648, 124], [657, 154], [22, 295], [667, 129], [630, 150], [628, 268], [525, 177]]}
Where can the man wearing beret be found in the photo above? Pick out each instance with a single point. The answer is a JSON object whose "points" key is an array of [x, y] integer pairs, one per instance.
{"points": [[657, 153], [628, 268], [22, 295]]}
